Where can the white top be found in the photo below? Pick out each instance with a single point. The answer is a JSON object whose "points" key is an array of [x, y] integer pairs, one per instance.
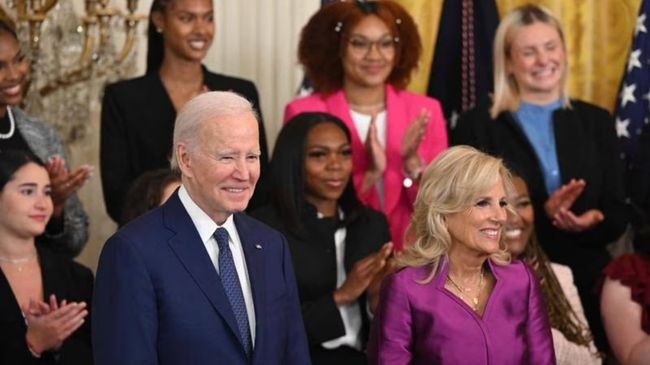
{"points": [[206, 228], [350, 313], [567, 352], [362, 123]]}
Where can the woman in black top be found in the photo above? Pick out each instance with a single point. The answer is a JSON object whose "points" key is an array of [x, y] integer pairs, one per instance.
{"points": [[138, 114], [339, 247], [44, 298]]}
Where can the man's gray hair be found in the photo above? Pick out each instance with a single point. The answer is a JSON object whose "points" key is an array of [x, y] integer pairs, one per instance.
{"points": [[205, 107]]}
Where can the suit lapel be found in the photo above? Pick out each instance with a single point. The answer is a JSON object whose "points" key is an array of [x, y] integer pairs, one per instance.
{"points": [[53, 282], [189, 249], [253, 248], [568, 137], [336, 104], [534, 176], [396, 124]]}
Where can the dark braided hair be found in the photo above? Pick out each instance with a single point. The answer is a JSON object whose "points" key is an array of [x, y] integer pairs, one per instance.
{"points": [[561, 315]]}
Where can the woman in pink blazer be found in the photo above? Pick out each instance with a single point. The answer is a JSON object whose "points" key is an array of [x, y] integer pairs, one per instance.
{"points": [[458, 299], [359, 57]]}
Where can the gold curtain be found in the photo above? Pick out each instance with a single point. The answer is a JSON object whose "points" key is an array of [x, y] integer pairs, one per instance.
{"points": [[598, 36]]}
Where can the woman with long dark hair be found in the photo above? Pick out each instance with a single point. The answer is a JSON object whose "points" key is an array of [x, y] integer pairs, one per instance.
{"points": [[572, 338], [138, 114], [339, 247]]}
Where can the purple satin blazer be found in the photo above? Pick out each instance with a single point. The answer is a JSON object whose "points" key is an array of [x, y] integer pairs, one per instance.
{"points": [[427, 324]]}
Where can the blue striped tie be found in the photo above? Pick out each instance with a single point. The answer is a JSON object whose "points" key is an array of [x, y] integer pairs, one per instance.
{"points": [[230, 282]]}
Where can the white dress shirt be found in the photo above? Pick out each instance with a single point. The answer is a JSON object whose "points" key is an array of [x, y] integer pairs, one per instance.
{"points": [[350, 313], [206, 228]]}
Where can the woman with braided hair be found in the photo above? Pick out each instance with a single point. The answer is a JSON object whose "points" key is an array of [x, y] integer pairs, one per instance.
{"points": [[572, 340]]}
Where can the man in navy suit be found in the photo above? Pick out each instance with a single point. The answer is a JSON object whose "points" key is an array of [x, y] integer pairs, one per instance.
{"points": [[195, 281]]}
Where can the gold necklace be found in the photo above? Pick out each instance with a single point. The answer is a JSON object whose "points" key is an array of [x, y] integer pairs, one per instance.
{"points": [[18, 262], [368, 109], [462, 290]]}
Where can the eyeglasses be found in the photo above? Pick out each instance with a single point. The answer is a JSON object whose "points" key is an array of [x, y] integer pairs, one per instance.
{"points": [[362, 45]]}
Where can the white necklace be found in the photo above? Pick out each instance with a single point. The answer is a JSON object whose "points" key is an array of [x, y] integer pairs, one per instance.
{"points": [[18, 262], [12, 126]]}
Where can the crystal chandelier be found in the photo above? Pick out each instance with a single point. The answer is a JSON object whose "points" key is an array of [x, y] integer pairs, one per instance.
{"points": [[73, 56]]}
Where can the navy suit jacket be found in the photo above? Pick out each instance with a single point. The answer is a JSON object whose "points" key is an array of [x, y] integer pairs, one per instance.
{"points": [[158, 298]]}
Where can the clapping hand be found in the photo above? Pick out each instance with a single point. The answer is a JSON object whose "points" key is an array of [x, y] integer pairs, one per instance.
{"points": [[375, 285], [48, 325], [558, 205], [363, 273], [412, 163], [567, 221], [65, 183], [414, 134], [376, 157]]}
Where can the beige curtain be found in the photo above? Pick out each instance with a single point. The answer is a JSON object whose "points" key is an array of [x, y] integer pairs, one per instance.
{"points": [[598, 36], [257, 40]]}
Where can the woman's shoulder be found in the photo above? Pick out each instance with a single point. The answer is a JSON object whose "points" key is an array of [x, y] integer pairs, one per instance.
{"points": [[371, 215], [412, 99], [516, 271], [308, 101], [409, 276], [137, 83], [267, 214], [561, 271], [26, 120], [581, 105], [588, 112], [629, 268], [217, 81], [65, 265]]}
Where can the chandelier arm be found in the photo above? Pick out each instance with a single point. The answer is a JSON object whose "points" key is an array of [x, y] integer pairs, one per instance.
{"points": [[47, 6], [131, 23]]}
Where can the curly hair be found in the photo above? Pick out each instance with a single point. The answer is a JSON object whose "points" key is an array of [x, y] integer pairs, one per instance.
{"points": [[323, 42], [450, 184]]}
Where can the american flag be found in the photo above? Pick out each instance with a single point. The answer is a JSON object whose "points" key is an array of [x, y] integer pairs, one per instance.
{"points": [[633, 107]]}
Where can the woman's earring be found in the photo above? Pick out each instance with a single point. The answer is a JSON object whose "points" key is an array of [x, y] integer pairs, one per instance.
{"points": [[159, 30]]}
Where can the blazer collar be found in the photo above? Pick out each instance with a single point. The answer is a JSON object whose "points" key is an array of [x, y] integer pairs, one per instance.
{"points": [[189, 249], [569, 135], [338, 105]]}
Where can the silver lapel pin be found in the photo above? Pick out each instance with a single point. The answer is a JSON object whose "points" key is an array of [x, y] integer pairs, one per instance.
{"points": [[258, 246]]}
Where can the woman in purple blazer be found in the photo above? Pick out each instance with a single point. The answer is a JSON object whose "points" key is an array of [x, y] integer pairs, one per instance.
{"points": [[358, 56], [458, 299]]}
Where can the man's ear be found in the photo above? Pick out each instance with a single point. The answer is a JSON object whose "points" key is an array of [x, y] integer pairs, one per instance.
{"points": [[184, 159]]}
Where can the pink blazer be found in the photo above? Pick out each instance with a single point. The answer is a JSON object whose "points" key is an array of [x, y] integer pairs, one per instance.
{"points": [[427, 324], [402, 108]]}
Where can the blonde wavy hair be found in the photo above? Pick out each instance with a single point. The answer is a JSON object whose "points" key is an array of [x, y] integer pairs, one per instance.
{"points": [[452, 183], [506, 92]]}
